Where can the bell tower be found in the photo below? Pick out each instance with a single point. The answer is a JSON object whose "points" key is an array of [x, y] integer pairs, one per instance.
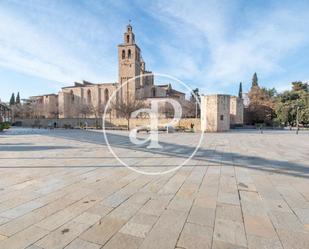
{"points": [[129, 36], [129, 65]]}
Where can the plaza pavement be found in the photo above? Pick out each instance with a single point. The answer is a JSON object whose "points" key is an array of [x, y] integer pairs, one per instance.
{"points": [[64, 189]]}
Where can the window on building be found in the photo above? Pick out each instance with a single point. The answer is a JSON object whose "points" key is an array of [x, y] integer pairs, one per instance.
{"points": [[221, 117], [129, 53], [123, 54], [128, 38], [88, 96], [72, 96], [106, 95]]}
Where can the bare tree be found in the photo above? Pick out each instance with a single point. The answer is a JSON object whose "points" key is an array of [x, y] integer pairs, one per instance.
{"points": [[190, 109], [54, 114], [36, 110], [125, 108], [16, 111], [98, 111], [26, 111], [84, 109]]}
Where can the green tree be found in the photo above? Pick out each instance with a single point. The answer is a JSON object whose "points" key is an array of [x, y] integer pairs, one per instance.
{"points": [[12, 100], [195, 94], [194, 107], [261, 108], [255, 80], [299, 86], [17, 99], [271, 92], [289, 102], [240, 91]]}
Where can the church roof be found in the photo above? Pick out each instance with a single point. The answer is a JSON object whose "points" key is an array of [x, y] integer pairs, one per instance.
{"points": [[85, 83], [178, 92], [171, 89], [38, 96]]}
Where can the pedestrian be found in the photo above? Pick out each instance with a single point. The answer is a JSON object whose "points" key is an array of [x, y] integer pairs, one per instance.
{"points": [[192, 127]]}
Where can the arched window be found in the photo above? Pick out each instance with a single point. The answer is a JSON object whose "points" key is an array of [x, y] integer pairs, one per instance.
{"points": [[128, 38], [123, 54], [129, 53], [106, 95], [72, 96], [88, 96], [100, 97]]}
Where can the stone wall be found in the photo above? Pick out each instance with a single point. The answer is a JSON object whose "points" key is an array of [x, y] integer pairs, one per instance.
{"points": [[223, 113], [114, 122], [236, 110], [61, 123], [45, 106], [135, 122], [208, 104], [73, 99], [215, 113]]}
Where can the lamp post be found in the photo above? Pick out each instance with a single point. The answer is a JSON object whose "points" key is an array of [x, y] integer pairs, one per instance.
{"points": [[297, 120]]}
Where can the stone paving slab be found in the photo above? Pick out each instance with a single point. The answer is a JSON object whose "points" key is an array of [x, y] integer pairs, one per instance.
{"points": [[64, 189], [78, 243], [195, 236]]}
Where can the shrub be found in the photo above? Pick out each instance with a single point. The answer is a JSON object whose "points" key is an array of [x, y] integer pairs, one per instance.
{"points": [[7, 125], [4, 125]]}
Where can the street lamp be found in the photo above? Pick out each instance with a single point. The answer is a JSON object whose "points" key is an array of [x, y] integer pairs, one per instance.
{"points": [[297, 119]]}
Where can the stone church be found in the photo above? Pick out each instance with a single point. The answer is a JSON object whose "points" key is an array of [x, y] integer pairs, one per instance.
{"points": [[137, 83], [86, 99]]}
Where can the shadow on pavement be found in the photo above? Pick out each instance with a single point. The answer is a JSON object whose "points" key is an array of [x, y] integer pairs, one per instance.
{"points": [[209, 156]]}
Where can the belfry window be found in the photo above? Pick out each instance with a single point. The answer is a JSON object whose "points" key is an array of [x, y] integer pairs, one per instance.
{"points": [[123, 54], [128, 38], [129, 53]]}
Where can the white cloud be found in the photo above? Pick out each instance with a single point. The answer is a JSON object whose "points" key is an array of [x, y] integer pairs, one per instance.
{"points": [[236, 48], [211, 44], [61, 54]]}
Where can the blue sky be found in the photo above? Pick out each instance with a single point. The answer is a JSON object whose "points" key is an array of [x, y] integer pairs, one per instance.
{"points": [[212, 45]]}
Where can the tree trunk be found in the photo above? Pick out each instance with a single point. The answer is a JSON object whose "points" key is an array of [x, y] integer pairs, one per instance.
{"points": [[96, 121]]}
